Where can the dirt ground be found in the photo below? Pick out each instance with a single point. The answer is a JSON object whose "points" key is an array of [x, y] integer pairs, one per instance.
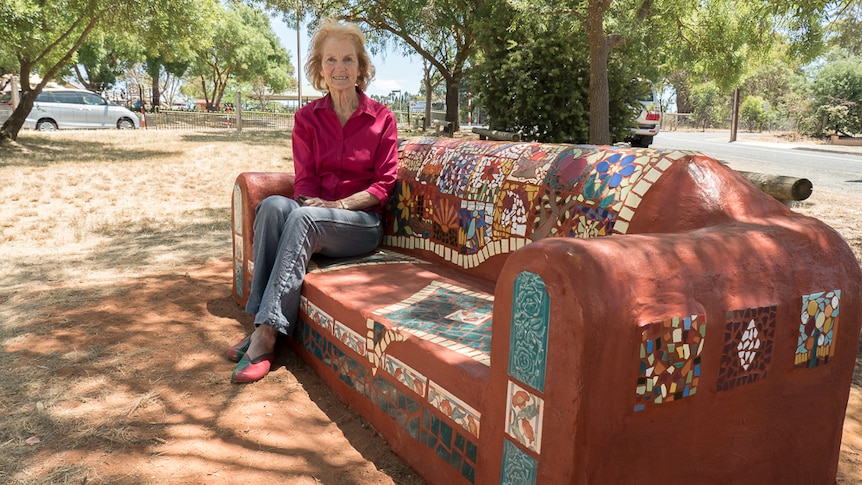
{"points": [[113, 355]]}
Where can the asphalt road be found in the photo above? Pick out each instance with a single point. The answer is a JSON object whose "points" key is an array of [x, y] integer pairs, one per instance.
{"points": [[826, 166]]}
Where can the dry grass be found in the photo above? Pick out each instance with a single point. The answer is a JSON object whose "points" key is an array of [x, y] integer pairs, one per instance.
{"points": [[84, 213]]}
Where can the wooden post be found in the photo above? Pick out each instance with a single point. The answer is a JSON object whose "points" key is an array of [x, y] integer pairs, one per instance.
{"points": [[780, 187], [238, 111], [496, 135], [734, 122]]}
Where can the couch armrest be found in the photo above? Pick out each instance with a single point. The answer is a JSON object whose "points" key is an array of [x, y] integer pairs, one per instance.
{"points": [[575, 322], [249, 190]]}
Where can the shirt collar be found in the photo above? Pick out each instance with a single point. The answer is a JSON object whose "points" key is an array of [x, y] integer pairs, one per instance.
{"points": [[363, 108]]}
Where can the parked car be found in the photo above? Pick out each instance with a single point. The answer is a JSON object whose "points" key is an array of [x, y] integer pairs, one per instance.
{"points": [[57, 108], [649, 120], [5, 106]]}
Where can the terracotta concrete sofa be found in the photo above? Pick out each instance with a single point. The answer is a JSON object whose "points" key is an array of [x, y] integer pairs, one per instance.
{"points": [[543, 314]]}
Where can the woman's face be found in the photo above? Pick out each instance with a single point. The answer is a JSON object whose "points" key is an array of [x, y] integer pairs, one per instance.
{"points": [[339, 64]]}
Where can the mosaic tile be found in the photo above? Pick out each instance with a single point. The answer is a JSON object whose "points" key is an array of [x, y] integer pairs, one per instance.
{"points": [[518, 467], [459, 317], [454, 408], [238, 278], [819, 318], [351, 339], [414, 416], [524, 416], [237, 209], [449, 444], [320, 317], [748, 339], [528, 341], [669, 360], [406, 375], [322, 264], [377, 340]]}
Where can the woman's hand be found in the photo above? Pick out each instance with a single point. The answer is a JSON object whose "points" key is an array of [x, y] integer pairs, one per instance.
{"points": [[318, 202]]}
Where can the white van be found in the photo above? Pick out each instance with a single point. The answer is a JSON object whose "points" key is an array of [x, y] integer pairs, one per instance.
{"points": [[73, 108]]}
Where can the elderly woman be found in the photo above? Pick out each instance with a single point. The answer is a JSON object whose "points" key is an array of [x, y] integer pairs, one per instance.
{"points": [[345, 155]]}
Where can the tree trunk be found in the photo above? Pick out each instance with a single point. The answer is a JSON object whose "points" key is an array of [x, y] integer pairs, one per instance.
{"points": [[428, 98], [600, 125], [15, 122], [452, 91]]}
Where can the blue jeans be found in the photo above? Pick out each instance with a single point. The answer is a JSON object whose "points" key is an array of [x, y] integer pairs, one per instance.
{"points": [[285, 236]]}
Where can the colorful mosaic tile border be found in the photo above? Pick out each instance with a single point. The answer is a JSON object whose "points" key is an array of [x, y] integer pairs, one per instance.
{"points": [[669, 360], [748, 341], [819, 319], [238, 252], [447, 315], [406, 375]]}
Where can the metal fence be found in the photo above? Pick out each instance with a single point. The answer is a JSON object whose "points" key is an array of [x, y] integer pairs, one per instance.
{"points": [[201, 120]]}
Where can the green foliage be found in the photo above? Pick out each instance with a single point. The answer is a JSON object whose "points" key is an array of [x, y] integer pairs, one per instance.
{"points": [[753, 114], [837, 90], [535, 81], [241, 47], [704, 102]]}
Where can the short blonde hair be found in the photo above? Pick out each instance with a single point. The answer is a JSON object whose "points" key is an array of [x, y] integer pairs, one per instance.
{"points": [[332, 28]]}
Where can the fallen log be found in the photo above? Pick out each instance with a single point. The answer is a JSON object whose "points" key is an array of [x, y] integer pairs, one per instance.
{"points": [[486, 134], [780, 187]]}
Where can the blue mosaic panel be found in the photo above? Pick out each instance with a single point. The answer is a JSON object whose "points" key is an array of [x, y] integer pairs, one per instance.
{"points": [[400, 407], [518, 467], [670, 360], [348, 369], [528, 342], [450, 445], [454, 315], [748, 340], [819, 319]]}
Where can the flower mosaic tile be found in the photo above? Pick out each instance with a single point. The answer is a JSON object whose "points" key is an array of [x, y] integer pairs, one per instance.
{"points": [[454, 408], [819, 318], [518, 467], [468, 197], [316, 315], [451, 316], [669, 360], [748, 341], [524, 414], [528, 341]]}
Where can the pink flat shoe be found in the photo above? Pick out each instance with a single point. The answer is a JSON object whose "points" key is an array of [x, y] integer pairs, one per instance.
{"points": [[235, 353], [251, 370]]}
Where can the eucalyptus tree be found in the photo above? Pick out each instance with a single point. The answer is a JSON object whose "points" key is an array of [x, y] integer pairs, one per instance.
{"points": [[44, 37]]}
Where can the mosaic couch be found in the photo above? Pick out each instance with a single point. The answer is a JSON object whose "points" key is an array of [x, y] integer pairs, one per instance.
{"points": [[655, 319]]}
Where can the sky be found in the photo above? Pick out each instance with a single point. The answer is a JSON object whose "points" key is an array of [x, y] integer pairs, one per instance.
{"points": [[393, 70]]}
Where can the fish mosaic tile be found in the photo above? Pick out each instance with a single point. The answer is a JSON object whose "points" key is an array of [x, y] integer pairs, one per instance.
{"points": [[525, 411], [818, 321], [748, 344], [670, 359]]}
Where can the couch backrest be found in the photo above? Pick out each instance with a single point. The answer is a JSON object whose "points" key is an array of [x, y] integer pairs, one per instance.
{"points": [[471, 203]]}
